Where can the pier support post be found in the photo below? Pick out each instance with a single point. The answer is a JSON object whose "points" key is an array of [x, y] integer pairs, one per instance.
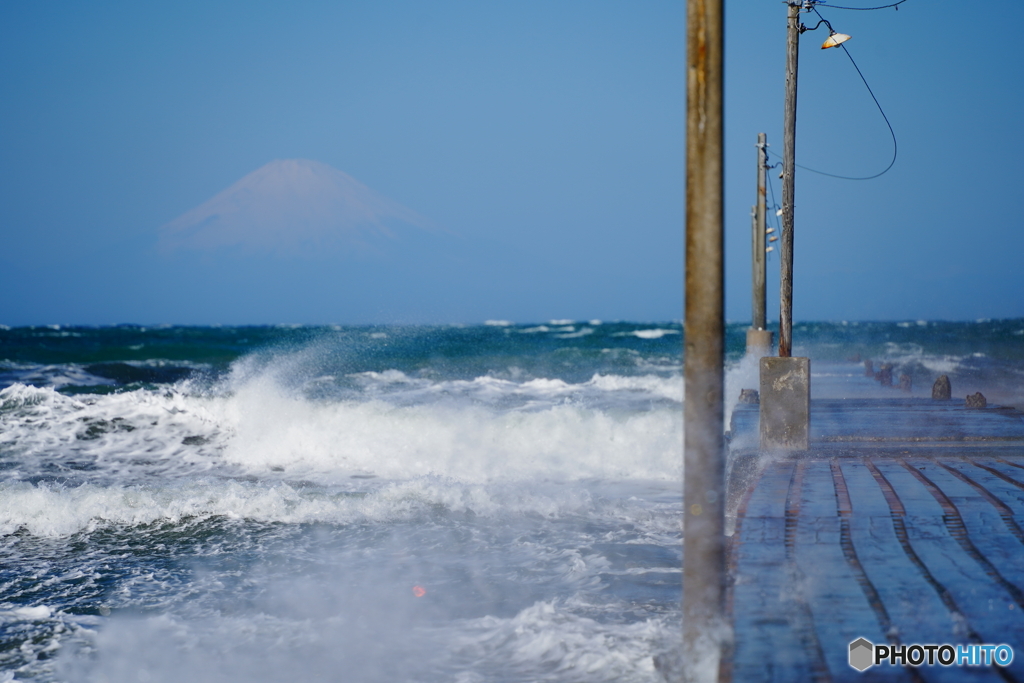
{"points": [[759, 342], [705, 631]]}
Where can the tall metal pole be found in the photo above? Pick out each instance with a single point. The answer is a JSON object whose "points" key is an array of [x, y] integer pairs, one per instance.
{"points": [[758, 318], [704, 627], [788, 170]]}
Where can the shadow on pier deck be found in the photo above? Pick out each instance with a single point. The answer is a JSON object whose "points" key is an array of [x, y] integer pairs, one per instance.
{"points": [[902, 525]]}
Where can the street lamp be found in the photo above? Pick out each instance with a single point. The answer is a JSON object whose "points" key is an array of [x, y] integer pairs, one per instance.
{"points": [[834, 40]]}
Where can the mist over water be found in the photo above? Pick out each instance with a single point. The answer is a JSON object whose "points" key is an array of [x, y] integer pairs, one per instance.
{"points": [[495, 502]]}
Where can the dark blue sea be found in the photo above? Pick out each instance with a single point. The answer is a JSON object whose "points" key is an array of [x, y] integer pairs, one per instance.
{"points": [[497, 502]]}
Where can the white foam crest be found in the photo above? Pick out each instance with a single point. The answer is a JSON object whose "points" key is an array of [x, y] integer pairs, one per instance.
{"points": [[583, 332], [110, 431], [664, 387], [274, 429], [648, 334], [914, 353], [51, 511], [490, 389]]}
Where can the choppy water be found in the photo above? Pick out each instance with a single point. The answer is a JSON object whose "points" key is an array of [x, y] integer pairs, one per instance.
{"points": [[485, 503]]}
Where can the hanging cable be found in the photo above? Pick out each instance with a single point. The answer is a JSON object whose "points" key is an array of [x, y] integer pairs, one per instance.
{"points": [[895, 4], [895, 148]]}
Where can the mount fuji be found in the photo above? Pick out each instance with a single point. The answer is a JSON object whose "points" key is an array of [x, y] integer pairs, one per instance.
{"points": [[288, 207]]}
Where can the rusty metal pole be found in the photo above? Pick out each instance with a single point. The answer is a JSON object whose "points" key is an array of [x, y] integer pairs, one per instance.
{"points": [[788, 170], [759, 316], [705, 631]]}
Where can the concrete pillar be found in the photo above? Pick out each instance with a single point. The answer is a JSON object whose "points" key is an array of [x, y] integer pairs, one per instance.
{"points": [[759, 342], [785, 403]]}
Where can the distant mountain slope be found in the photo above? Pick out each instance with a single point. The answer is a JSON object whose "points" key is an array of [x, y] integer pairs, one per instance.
{"points": [[290, 206]]}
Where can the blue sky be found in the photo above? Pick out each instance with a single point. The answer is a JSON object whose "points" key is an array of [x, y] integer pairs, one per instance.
{"points": [[545, 138]]}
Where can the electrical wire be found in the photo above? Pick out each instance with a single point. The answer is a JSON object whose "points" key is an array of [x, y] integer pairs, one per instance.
{"points": [[895, 4], [895, 147]]}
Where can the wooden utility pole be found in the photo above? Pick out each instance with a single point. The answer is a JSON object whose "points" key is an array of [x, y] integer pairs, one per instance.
{"points": [[704, 627], [785, 393], [758, 318], [788, 170]]}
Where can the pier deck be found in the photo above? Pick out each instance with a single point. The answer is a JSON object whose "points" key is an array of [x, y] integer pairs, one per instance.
{"points": [[902, 524]]}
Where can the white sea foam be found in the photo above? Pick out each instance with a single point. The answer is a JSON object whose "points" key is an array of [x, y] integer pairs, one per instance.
{"points": [[539, 391], [271, 429], [146, 456], [902, 354], [648, 334], [548, 637], [552, 429], [370, 638], [37, 613], [583, 332], [52, 511]]}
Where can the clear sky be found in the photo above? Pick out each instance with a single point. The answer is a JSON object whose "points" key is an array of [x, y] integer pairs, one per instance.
{"points": [[544, 139]]}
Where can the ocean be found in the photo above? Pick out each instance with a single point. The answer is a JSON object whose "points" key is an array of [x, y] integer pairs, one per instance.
{"points": [[497, 502]]}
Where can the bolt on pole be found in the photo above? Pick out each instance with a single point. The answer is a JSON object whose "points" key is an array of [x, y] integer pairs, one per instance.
{"points": [[704, 627], [788, 170]]}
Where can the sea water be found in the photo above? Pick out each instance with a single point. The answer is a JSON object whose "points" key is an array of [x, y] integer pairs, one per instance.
{"points": [[497, 502]]}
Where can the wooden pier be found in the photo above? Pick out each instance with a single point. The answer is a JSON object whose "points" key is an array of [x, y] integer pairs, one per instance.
{"points": [[902, 524]]}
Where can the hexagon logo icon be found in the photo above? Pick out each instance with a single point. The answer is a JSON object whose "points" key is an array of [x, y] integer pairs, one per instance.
{"points": [[861, 654]]}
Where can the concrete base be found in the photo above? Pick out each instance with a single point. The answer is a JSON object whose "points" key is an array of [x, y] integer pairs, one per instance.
{"points": [[785, 403], [759, 342]]}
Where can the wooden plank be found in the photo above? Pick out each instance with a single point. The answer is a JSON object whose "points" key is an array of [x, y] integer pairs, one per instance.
{"points": [[928, 551], [767, 647], [983, 602], [989, 520], [1010, 495], [915, 608], [829, 586]]}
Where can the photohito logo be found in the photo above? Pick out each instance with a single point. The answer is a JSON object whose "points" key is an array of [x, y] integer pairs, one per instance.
{"points": [[864, 654]]}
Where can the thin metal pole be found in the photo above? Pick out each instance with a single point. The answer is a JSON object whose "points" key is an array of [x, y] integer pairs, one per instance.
{"points": [[788, 171], [758, 319], [704, 627]]}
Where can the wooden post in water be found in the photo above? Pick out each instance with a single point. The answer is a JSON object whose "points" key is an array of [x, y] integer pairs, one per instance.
{"points": [[788, 170], [705, 631]]}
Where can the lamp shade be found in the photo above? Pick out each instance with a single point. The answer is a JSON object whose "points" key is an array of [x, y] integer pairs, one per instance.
{"points": [[834, 40]]}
